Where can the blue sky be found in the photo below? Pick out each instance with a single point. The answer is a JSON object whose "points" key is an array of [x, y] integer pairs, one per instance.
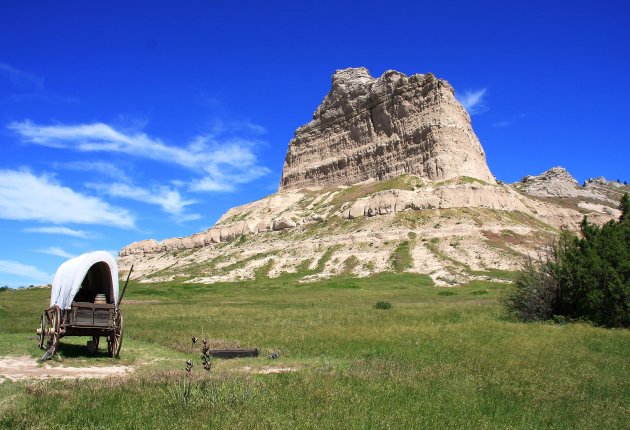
{"points": [[121, 121]]}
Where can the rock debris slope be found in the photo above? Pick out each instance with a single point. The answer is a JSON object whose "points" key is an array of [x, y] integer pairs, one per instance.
{"points": [[388, 166]]}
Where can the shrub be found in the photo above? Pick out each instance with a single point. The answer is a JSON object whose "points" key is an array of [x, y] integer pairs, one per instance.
{"points": [[534, 296], [585, 278], [383, 305]]}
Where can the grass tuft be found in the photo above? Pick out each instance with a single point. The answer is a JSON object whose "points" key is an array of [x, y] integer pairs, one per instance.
{"points": [[383, 305]]}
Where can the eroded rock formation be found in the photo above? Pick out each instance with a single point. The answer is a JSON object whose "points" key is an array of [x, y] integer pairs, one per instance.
{"points": [[557, 182], [384, 162], [369, 128]]}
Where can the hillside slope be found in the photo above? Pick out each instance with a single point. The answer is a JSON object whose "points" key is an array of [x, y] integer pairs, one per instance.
{"points": [[388, 175]]}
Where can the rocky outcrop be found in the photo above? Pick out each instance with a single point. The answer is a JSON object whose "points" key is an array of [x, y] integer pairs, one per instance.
{"points": [[296, 210], [273, 213], [600, 182], [555, 182], [445, 197], [369, 128]]}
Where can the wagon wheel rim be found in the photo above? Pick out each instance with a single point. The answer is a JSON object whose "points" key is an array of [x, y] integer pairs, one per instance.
{"points": [[114, 342], [55, 323], [43, 327]]}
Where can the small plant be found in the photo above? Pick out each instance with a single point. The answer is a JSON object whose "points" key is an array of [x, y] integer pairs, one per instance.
{"points": [[447, 293], [206, 359], [478, 293], [383, 305], [183, 391], [560, 319]]}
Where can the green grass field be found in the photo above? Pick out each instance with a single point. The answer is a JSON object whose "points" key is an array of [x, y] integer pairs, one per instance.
{"points": [[438, 358]]}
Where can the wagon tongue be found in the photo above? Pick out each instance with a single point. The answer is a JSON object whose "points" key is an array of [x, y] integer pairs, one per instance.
{"points": [[125, 287], [48, 354]]}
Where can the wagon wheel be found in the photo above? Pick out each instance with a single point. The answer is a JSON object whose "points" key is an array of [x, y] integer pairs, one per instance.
{"points": [[52, 329], [114, 341], [43, 329], [55, 325]]}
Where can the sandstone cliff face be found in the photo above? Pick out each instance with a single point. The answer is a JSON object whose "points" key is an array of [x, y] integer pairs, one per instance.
{"points": [[369, 128]]}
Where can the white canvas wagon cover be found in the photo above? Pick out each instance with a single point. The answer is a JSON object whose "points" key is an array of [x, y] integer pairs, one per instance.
{"points": [[100, 268]]}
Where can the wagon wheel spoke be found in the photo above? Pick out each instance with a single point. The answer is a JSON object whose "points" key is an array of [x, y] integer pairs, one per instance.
{"points": [[51, 327], [43, 328], [55, 325]]}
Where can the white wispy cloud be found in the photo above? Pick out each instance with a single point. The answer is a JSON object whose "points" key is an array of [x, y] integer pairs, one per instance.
{"points": [[21, 79], [220, 127], [106, 169], [473, 101], [56, 251], [167, 198], [219, 161], [510, 121], [25, 196], [65, 231], [30, 272], [226, 182]]}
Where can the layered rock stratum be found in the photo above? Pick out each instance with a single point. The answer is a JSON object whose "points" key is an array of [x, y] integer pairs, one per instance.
{"points": [[388, 166], [368, 128]]}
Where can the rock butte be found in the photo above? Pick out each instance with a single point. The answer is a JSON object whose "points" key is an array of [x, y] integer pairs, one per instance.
{"points": [[384, 161], [369, 128]]}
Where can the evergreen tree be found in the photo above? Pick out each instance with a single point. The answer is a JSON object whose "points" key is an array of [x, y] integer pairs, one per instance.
{"points": [[624, 207]]}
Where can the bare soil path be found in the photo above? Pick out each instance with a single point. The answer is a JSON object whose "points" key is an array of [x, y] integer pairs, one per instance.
{"points": [[24, 367]]}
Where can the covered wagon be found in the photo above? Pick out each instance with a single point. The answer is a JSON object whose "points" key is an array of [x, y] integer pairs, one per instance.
{"points": [[84, 301]]}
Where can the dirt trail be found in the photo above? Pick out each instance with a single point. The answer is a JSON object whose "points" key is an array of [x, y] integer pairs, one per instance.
{"points": [[16, 368]]}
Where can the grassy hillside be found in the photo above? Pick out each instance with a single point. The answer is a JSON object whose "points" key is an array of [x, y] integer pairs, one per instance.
{"points": [[439, 358]]}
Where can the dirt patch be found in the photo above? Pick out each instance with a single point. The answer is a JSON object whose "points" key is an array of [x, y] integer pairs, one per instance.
{"points": [[17, 368], [267, 370]]}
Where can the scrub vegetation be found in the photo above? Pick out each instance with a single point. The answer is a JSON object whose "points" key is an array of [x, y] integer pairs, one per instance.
{"points": [[582, 278], [435, 358]]}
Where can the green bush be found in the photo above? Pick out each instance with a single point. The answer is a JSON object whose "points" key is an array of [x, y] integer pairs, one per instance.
{"points": [[383, 305], [534, 296], [585, 278]]}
